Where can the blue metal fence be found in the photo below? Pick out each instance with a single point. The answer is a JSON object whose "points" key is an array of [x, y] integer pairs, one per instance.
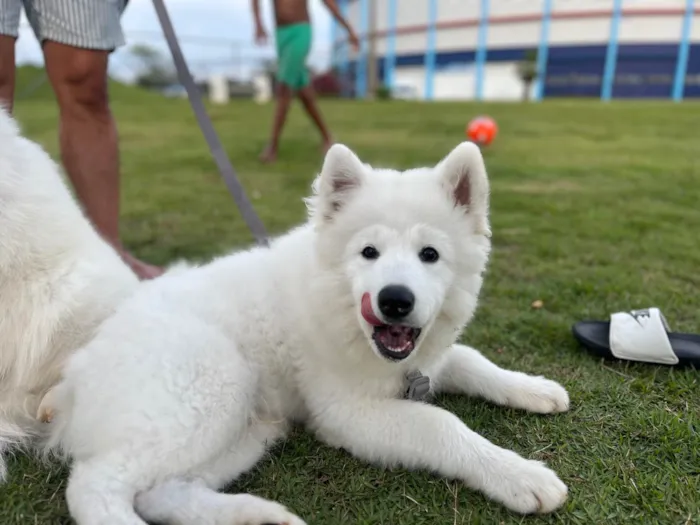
{"points": [[390, 59], [607, 71], [611, 53], [543, 49], [683, 52], [430, 49], [481, 49]]}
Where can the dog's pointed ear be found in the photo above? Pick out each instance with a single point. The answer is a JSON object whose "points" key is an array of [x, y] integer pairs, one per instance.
{"points": [[342, 173], [463, 174]]}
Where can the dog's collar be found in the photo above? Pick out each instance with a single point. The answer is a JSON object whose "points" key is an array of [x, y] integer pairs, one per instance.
{"points": [[418, 386]]}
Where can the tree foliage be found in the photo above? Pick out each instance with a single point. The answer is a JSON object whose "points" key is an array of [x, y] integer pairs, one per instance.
{"points": [[155, 71]]}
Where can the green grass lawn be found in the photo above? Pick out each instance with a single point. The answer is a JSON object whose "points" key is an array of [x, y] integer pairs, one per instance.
{"points": [[594, 209]]}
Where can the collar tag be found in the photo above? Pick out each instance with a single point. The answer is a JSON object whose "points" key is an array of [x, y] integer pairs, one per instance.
{"points": [[418, 386]]}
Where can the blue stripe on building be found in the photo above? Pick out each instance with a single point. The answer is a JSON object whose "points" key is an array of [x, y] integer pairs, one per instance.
{"points": [[692, 75], [642, 70]]}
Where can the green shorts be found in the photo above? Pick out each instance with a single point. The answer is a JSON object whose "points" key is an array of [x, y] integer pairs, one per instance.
{"points": [[293, 46]]}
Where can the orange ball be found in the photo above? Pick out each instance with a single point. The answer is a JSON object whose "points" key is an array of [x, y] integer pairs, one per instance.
{"points": [[482, 130]]}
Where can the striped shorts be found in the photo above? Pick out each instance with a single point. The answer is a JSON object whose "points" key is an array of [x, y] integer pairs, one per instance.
{"points": [[88, 24]]}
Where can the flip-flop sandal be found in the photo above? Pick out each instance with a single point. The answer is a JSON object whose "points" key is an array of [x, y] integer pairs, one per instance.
{"points": [[639, 335]]}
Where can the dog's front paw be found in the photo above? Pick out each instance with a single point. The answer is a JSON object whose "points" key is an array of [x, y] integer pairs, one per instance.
{"points": [[529, 488], [538, 394]]}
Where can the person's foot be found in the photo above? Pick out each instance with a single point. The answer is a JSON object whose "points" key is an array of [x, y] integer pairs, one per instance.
{"points": [[142, 270], [268, 155]]}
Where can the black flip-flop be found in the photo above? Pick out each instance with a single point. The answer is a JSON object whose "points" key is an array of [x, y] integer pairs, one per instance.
{"points": [[639, 335]]}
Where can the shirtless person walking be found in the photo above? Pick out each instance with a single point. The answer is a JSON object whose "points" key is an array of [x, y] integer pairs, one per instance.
{"points": [[293, 39]]}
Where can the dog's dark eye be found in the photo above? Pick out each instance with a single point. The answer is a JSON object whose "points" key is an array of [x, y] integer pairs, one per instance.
{"points": [[429, 255], [370, 252]]}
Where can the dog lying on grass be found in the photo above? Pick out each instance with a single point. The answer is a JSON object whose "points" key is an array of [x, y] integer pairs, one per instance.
{"points": [[163, 392]]}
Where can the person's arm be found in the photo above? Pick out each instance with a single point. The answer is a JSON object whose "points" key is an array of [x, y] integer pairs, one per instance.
{"points": [[335, 11], [260, 33]]}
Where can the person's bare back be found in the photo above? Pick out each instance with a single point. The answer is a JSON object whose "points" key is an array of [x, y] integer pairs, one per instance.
{"points": [[290, 12]]}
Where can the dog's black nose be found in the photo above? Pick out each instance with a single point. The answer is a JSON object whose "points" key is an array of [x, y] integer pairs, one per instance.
{"points": [[395, 301]]}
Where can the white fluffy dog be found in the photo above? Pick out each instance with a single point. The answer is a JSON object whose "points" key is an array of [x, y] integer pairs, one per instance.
{"points": [[58, 281], [335, 326]]}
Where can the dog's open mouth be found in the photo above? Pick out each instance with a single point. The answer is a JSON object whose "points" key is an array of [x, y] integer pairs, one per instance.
{"points": [[395, 341]]}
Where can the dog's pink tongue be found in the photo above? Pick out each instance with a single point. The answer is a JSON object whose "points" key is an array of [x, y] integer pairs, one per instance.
{"points": [[367, 311]]}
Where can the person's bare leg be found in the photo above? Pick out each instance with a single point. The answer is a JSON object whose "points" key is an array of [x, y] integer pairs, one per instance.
{"points": [[308, 99], [284, 99], [88, 139], [7, 71]]}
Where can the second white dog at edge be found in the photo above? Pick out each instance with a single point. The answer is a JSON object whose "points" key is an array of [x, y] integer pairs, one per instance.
{"points": [[200, 371]]}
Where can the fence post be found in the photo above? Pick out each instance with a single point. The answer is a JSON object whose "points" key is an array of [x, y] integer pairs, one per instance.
{"points": [[611, 54], [481, 49], [543, 50], [334, 38], [390, 53], [344, 54], [361, 63], [430, 50], [683, 49]]}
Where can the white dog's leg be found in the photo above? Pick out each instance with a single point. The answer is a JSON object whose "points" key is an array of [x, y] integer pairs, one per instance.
{"points": [[100, 495], [466, 371], [178, 502], [418, 435], [133, 429]]}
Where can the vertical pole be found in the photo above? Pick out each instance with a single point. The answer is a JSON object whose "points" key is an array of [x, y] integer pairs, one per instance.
{"points": [[344, 54], [430, 49], [390, 54], [481, 49], [372, 50], [683, 48], [611, 54], [334, 47], [543, 50], [361, 63]]}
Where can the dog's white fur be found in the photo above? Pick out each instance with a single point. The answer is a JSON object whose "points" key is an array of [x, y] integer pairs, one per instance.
{"points": [[58, 281], [197, 373]]}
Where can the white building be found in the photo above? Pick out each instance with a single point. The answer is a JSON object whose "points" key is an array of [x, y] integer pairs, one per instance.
{"points": [[466, 49]]}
